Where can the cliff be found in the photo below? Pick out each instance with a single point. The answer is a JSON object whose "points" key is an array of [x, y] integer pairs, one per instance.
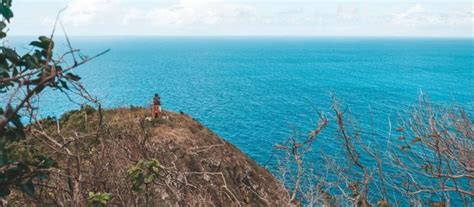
{"points": [[128, 159]]}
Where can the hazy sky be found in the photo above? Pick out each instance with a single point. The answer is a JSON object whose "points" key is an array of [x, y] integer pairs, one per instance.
{"points": [[247, 17]]}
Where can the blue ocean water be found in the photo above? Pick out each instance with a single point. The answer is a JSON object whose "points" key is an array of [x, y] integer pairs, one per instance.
{"points": [[254, 91]]}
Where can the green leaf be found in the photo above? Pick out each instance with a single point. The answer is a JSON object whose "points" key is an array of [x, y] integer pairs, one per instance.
{"points": [[3, 154], [4, 191], [35, 81], [43, 43], [47, 162], [149, 178], [3, 67], [72, 77], [44, 39], [2, 25], [6, 12], [15, 71], [7, 2], [18, 170], [37, 44], [11, 55], [18, 131], [28, 188], [29, 61], [42, 176]]}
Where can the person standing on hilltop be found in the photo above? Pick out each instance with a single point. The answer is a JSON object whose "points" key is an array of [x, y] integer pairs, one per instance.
{"points": [[156, 108]]}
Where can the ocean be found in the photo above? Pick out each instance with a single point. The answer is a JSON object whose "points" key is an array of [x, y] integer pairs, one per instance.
{"points": [[256, 91]]}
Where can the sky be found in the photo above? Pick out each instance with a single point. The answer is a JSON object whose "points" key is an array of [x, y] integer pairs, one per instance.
{"points": [[433, 18]]}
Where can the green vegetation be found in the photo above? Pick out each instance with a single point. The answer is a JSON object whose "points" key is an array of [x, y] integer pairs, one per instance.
{"points": [[143, 173], [99, 199], [23, 77]]}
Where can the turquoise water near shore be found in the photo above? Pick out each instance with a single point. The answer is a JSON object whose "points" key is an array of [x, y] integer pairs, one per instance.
{"points": [[254, 91]]}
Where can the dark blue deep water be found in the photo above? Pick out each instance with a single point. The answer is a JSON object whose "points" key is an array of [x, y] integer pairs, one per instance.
{"points": [[254, 91]]}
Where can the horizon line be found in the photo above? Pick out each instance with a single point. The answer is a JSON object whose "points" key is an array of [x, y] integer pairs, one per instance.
{"points": [[252, 35]]}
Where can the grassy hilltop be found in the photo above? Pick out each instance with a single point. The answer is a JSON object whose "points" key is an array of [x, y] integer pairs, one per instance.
{"points": [[133, 160]]}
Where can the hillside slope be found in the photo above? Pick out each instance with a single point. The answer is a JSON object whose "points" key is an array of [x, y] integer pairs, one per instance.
{"points": [[170, 161]]}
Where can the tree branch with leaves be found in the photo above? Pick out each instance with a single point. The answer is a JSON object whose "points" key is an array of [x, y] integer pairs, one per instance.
{"points": [[24, 77]]}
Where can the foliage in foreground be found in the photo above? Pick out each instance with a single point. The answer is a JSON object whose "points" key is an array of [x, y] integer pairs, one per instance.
{"points": [[426, 160], [23, 77]]}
